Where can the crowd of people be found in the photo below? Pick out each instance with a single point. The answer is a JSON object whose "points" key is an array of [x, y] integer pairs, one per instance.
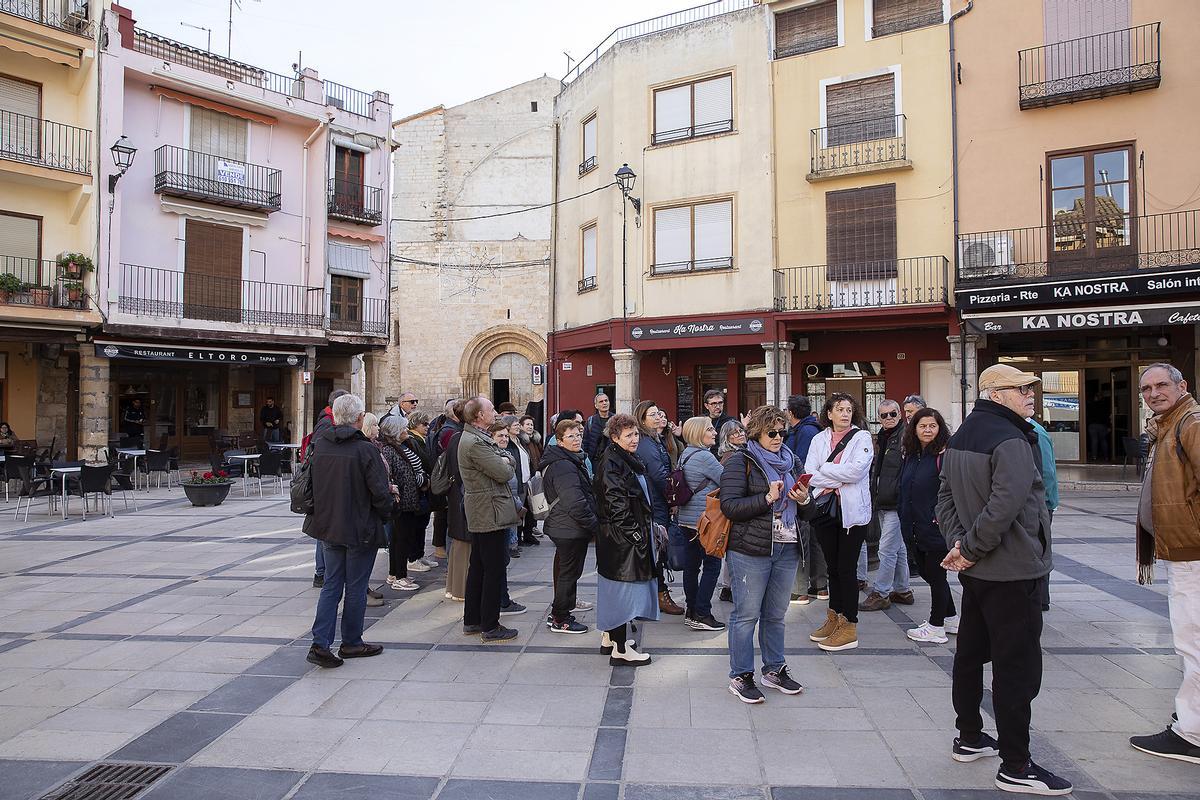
{"points": [[802, 491]]}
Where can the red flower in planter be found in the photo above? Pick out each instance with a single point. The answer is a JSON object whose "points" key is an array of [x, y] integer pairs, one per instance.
{"points": [[207, 476]]}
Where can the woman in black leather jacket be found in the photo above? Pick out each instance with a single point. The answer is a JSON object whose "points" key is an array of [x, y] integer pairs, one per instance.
{"points": [[626, 587], [571, 523]]}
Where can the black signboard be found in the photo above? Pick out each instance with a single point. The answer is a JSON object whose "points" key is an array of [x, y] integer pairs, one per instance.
{"points": [[713, 327], [1077, 319], [1146, 284], [200, 355], [685, 397]]}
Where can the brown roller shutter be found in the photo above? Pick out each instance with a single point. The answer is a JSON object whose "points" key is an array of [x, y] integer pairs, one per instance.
{"points": [[859, 111], [894, 16], [212, 273], [803, 30], [860, 233]]}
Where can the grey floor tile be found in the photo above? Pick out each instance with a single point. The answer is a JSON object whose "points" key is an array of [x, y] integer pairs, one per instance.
{"points": [[340, 785], [28, 779], [601, 791], [841, 793], [608, 755], [215, 783], [636, 791], [461, 789], [242, 695], [178, 738]]}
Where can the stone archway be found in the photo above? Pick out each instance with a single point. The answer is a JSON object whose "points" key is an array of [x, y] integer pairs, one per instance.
{"points": [[475, 365]]}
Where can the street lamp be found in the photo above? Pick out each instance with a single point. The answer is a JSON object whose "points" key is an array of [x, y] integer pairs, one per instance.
{"points": [[123, 152], [626, 178]]}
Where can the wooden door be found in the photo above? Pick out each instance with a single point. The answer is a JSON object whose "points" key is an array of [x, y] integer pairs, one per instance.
{"points": [[348, 180], [212, 277]]}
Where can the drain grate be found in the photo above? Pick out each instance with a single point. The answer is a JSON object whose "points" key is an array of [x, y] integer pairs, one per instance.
{"points": [[108, 781]]}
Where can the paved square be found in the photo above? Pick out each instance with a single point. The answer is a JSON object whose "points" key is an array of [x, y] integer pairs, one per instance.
{"points": [[177, 635]]}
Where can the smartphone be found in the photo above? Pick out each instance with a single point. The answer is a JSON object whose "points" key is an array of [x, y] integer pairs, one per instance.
{"points": [[803, 480]]}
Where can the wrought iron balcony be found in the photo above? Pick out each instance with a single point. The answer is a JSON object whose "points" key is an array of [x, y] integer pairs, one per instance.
{"points": [[151, 292], [353, 202], [367, 317], [40, 283], [200, 176], [1076, 247], [70, 16], [876, 284], [47, 144], [1117, 62], [587, 284], [587, 166], [862, 146], [166, 49], [354, 101]]}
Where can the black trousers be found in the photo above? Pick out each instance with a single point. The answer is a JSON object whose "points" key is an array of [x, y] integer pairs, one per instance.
{"points": [[416, 536], [569, 555], [485, 579], [929, 567], [528, 526], [441, 522], [841, 548], [1000, 622]]}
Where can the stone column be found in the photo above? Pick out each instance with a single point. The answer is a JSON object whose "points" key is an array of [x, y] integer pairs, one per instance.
{"points": [[93, 402], [973, 342], [626, 363], [779, 372]]}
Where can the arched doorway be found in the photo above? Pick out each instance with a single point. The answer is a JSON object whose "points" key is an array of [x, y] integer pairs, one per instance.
{"points": [[511, 380], [503, 353]]}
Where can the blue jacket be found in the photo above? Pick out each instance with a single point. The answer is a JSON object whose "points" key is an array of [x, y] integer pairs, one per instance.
{"points": [[653, 454], [702, 472], [1049, 470], [800, 436]]}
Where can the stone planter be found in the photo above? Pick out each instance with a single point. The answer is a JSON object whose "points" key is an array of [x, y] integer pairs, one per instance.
{"points": [[207, 494]]}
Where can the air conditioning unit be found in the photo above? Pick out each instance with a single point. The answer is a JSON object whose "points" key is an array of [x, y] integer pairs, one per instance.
{"points": [[985, 256], [336, 102]]}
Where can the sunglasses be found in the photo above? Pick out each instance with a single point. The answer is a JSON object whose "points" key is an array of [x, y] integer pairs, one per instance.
{"points": [[410, 402], [888, 414], [1025, 391], [775, 434]]}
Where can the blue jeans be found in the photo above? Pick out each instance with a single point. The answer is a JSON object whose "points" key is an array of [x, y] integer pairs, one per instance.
{"points": [[762, 588], [320, 569], [698, 586], [346, 568], [893, 556], [862, 562], [505, 598]]}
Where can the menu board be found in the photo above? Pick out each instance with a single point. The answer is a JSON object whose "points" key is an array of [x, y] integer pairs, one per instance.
{"points": [[685, 398]]}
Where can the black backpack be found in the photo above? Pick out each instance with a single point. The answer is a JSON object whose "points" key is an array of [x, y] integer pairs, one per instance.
{"points": [[302, 490]]}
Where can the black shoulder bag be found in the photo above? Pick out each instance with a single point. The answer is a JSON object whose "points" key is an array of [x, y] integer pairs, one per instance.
{"points": [[826, 511]]}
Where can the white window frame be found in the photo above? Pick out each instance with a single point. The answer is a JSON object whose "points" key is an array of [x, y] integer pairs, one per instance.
{"points": [[594, 119], [692, 204], [824, 83], [594, 225], [869, 19], [691, 84], [841, 22]]}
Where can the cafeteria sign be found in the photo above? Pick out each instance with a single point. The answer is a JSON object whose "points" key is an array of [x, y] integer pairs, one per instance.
{"points": [[1086, 318], [201, 355], [682, 330]]}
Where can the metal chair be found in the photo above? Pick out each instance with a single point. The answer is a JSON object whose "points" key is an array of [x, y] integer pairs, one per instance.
{"points": [[158, 463], [235, 469], [12, 472], [124, 483], [269, 464], [95, 481], [32, 487]]}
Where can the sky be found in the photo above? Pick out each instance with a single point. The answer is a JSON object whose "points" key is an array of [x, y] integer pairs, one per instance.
{"points": [[422, 53]]}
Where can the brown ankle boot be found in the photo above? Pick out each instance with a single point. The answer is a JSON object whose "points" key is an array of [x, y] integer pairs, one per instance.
{"points": [[844, 638], [825, 631], [667, 605]]}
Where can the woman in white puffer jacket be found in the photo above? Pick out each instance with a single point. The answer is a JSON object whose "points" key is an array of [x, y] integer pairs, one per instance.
{"points": [[848, 474]]}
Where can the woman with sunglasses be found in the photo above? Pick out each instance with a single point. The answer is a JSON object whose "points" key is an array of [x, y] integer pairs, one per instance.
{"points": [[761, 495], [839, 461]]}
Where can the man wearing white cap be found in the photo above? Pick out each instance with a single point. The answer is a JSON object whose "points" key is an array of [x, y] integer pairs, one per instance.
{"points": [[992, 511]]}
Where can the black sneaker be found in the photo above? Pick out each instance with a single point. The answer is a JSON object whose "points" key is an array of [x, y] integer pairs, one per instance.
{"points": [[512, 609], [725, 595], [569, 625], [514, 552], [322, 657], [1167, 744], [361, 650], [1031, 779], [782, 680], [984, 747], [318, 581], [498, 634], [471, 630], [742, 687], [703, 623]]}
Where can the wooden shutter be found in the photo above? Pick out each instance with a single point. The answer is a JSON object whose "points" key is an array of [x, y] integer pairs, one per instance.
{"points": [[21, 247], [894, 16], [672, 239], [589, 252], [672, 113], [212, 279], [345, 302], [859, 111], [589, 139], [1067, 24], [803, 30], [217, 134], [714, 235], [713, 105], [860, 233], [348, 180]]}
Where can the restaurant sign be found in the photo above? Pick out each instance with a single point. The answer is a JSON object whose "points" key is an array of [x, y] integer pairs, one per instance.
{"points": [[682, 330], [1146, 284], [199, 355], [1076, 319]]}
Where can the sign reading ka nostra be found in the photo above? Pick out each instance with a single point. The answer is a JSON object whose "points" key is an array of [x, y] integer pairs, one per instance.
{"points": [[1085, 319], [715, 327], [1147, 284]]}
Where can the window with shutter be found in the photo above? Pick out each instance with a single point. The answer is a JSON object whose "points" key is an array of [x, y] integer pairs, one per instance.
{"points": [[212, 271], [895, 16], [345, 302], [589, 146], [714, 235], [672, 239], [859, 111], [20, 119], [1069, 26], [21, 247], [218, 134], [803, 30], [589, 257], [693, 238], [860, 233], [693, 109], [348, 180]]}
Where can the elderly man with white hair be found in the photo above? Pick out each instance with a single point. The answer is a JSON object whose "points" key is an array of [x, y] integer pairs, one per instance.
{"points": [[351, 499]]}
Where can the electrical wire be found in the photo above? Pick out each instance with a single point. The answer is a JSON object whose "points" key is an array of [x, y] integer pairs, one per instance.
{"points": [[508, 213], [542, 262]]}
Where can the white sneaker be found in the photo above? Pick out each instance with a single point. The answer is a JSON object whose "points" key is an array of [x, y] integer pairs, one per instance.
{"points": [[927, 633], [581, 606], [951, 624], [418, 566], [448, 596], [403, 584], [429, 561], [628, 656]]}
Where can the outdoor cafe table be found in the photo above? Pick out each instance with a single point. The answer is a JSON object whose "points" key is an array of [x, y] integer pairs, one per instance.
{"points": [[134, 455], [62, 473], [246, 459]]}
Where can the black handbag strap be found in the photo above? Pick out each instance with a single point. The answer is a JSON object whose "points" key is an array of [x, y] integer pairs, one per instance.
{"points": [[842, 444]]}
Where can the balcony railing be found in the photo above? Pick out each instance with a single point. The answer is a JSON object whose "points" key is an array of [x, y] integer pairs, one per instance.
{"points": [[1075, 248], [354, 101], [353, 202], [1110, 63], [692, 132], [369, 318], [64, 15], [200, 176], [47, 144], [587, 284], [185, 55], [587, 166], [699, 265], [876, 284], [40, 283], [151, 292], [861, 146]]}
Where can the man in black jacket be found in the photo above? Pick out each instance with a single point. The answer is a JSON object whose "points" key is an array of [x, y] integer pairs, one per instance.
{"points": [[891, 580], [572, 522], [324, 423], [593, 435], [351, 498]]}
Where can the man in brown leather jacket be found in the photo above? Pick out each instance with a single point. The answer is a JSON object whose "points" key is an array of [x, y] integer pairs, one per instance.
{"points": [[1168, 529]]}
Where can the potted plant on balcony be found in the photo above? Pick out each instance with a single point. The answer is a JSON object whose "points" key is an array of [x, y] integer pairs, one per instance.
{"points": [[11, 285], [74, 293], [207, 488], [74, 265]]}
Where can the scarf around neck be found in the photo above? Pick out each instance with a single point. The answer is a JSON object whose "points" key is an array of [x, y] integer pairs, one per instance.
{"points": [[779, 467]]}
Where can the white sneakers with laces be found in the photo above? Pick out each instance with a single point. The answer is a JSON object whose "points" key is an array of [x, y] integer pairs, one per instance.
{"points": [[928, 633]]}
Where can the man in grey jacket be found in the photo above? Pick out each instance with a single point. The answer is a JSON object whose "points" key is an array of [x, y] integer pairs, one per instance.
{"points": [[490, 511], [992, 511]]}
